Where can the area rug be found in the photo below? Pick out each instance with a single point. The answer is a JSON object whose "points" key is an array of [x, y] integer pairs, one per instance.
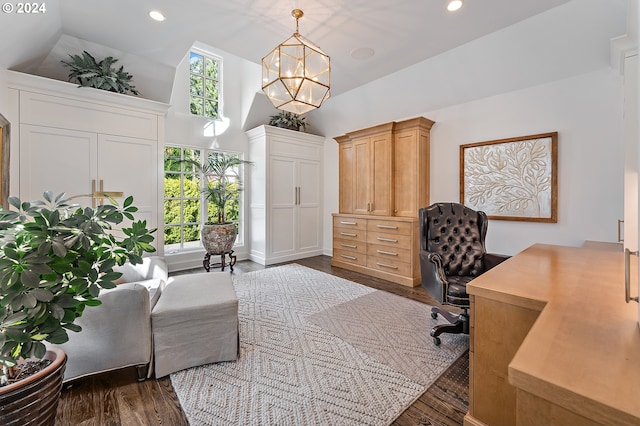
{"points": [[316, 349]]}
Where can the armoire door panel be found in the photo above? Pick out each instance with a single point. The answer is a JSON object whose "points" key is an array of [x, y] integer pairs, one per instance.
{"points": [[362, 176], [346, 182], [308, 183], [56, 160], [128, 164], [282, 239], [381, 175], [309, 237], [282, 191]]}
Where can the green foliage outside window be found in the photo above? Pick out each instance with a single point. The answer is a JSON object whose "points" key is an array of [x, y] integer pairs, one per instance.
{"points": [[183, 195], [204, 83]]}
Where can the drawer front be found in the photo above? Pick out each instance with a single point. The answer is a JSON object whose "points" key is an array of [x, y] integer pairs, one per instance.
{"points": [[358, 235], [390, 240], [389, 226], [394, 253], [350, 245], [389, 265], [349, 223], [350, 257]]}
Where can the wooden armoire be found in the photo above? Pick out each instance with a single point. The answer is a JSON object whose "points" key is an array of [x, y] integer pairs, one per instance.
{"points": [[384, 180]]}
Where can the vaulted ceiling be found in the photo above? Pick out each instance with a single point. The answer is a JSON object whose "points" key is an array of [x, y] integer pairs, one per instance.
{"points": [[399, 33]]}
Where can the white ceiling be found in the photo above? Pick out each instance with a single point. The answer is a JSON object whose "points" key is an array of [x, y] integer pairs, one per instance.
{"points": [[401, 32]]}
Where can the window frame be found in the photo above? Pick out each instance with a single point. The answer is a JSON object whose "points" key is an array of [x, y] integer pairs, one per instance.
{"points": [[206, 55], [203, 203]]}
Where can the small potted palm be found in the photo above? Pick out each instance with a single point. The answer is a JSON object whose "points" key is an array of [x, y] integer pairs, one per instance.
{"points": [[222, 186], [54, 258]]}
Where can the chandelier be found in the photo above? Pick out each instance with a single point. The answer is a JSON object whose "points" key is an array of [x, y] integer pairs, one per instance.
{"points": [[295, 75]]}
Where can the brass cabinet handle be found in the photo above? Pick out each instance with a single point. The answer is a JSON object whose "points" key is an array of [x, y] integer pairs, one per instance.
{"points": [[620, 237], [384, 265], [349, 246], [348, 223], [388, 240], [348, 234], [390, 253], [387, 227], [349, 257], [627, 275]]}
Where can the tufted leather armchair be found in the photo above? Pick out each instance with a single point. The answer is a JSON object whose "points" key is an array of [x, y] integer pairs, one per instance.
{"points": [[452, 253]]}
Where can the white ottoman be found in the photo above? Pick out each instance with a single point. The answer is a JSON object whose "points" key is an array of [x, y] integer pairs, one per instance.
{"points": [[195, 322]]}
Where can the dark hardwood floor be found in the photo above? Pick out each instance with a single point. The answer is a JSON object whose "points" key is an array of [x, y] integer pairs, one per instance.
{"points": [[116, 398]]}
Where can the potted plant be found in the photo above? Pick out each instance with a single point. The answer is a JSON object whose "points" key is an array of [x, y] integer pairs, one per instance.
{"points": [[54, 259], [99, 74], [223, 184], [288, 120]]}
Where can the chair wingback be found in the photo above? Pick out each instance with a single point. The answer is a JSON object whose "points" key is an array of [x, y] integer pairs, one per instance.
{"points": [[457, 234]]}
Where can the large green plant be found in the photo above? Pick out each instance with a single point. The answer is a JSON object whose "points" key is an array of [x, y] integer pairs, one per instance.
{"points": [[54, 259], [222, 180], [99, 74]]}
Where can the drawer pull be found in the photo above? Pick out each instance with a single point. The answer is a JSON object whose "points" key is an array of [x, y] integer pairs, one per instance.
{"points": [[388, 240], [390, 253], [349, 246], [387, 227], [348, 234], [349, 257], [384, 265], [348, 223]]}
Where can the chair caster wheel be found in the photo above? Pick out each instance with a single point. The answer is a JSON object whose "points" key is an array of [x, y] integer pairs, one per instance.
{"points": [[437, 341], [434, 315]]}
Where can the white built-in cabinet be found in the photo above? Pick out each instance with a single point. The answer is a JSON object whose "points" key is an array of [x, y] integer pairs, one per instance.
{"points": [[285, 194], [76, 140]]}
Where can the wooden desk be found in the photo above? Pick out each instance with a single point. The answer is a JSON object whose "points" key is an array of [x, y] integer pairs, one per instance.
{"points": [[553, 341]]}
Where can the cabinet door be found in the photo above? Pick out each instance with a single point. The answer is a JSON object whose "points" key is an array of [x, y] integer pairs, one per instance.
{"points": [[381, 176], [362, 174], [56, 160], [309, 221], [131, 165], [282, 199], [346, 163]]}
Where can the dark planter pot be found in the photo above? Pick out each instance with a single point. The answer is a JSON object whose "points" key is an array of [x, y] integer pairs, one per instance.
{"points": [[218, 239], [34, 400]]}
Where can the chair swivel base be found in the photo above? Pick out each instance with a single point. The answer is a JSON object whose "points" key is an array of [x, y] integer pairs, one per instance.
{"points": [[459, 324]]}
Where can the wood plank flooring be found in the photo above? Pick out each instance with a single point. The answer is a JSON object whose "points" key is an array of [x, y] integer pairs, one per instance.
{"points": [[118, 399]]}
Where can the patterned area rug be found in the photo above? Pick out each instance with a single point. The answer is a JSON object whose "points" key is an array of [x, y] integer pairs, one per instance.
{"points": [[316, 349]]}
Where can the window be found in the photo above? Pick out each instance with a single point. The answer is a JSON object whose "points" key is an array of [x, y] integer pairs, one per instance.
{"points": [[183, 198], [204, 85]]}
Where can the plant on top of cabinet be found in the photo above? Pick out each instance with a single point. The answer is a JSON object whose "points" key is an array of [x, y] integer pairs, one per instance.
{"points": [[99, 74], [288, 120]]}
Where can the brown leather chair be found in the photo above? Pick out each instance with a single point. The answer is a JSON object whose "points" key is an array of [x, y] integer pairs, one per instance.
{"points": [[452, 253]]}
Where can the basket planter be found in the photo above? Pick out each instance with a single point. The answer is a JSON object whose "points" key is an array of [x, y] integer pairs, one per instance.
{"points": [[218, 239], [34, 400]]}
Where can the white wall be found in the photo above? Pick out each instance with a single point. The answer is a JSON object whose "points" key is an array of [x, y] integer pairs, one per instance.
{"points": [[548, 73]]}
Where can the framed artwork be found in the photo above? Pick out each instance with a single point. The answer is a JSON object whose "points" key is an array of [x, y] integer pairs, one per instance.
{"points": [[4, 161], [512, 179]]}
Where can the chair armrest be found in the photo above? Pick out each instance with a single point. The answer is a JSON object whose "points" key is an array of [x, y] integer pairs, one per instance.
{"points": [[492, 259], [432, 274], [115, 334]]}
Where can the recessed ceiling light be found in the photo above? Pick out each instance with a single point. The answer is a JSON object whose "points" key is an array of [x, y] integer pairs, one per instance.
{"points": [[454, 5], [156, 15]]}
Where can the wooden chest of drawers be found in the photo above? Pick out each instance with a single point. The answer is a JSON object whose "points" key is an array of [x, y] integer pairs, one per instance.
{"points": [[385, 247]]}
